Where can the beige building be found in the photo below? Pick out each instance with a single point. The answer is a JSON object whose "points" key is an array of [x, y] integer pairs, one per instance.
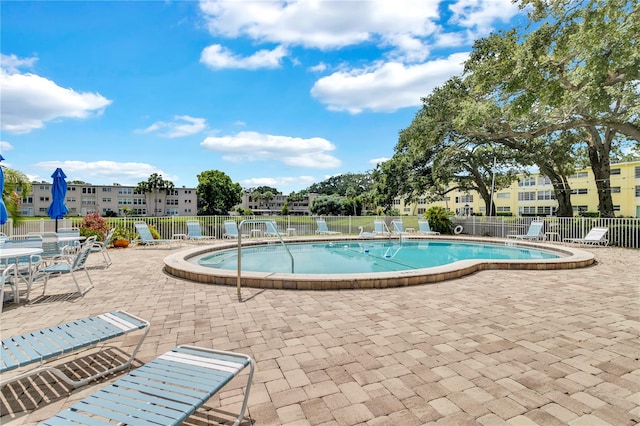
{"points": [[533, 195], [274, 206], [86, 198]]}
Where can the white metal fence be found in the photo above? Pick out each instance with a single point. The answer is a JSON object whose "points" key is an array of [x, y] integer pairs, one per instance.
{"points": [[623, 232]]}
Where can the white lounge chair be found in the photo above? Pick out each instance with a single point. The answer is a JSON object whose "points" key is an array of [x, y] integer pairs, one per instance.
{"points": [[31, 353], [231, 230], [425, 229], [397, 227], [596, 236], [194, 231], [101, 247], [6, 279], [323, 229], [165, 391], [145, 237], [533, 233], [380, 228]]}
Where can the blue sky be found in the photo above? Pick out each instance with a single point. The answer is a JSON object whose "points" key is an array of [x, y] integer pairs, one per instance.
{"points": [[277, 93]]}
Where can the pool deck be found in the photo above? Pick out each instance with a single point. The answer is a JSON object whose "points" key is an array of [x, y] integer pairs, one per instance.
{"points": [[546, 347]]}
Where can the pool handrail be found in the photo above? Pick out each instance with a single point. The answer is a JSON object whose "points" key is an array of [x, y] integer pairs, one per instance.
{"points": [[269, 223]]}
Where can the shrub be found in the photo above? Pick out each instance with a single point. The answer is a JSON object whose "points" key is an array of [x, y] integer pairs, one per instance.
{"points": [[154, 232], [94, 224], [439, 219]]}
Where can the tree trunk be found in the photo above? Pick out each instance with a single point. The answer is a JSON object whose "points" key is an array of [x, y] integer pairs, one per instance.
{"points": [[599, 152], [561, 189]]}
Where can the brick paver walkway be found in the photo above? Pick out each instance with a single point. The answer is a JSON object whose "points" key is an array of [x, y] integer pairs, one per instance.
{"points": [[497, 347]]}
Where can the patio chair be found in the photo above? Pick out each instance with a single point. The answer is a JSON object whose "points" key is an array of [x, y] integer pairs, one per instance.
{"points": [[194, 231], [272, 229], [69, 232], [31, 353], [533, 233], [596, 236], [68, 264], [6, 279], [323, 229], [165, 391], [231, 230], [145, 237], [380, 228], [101, 247], [425, 229], [397, 227]]}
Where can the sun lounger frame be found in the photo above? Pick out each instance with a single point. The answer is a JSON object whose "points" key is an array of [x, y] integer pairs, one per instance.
{"points": [[42, 346], [165, 391]]}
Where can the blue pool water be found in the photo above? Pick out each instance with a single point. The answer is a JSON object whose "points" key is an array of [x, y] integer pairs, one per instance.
{"points": [[350, 257]]}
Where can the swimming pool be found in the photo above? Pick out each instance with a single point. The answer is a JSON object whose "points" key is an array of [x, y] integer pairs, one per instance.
{"points": [[185, 264], [349, 257]]}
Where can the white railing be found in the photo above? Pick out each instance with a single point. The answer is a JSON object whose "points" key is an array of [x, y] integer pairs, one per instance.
{"points": [[623, 232]]}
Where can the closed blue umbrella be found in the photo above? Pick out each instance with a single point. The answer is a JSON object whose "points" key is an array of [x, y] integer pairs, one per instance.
{"points": [[57, 209], [3, 209]]}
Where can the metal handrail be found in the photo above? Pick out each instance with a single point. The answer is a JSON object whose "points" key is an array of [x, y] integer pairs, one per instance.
{"points": [[267, 222]]}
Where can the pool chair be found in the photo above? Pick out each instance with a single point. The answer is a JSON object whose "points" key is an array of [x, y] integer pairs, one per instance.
{"points": [[596, 236], [397, 227], [33, 352], [194, 231], [380, 228], [231, 230], [165, 391], [67, 264], [6, 279], [27, 265], [425, 229], [534, 232], [101, 247], [146, 238], [323, 229]]}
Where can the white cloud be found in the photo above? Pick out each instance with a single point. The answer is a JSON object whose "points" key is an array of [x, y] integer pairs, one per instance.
{"points": [[5, 146], [29, 100], [480, 15], [12, 63], [292, 151], [183, 125], [376, 161], [318, 68], [219, 57], [323, 25], [280, 183], [385, 87], [103, 172]]}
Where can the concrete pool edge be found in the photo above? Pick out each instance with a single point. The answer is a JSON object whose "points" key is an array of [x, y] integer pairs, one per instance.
{"points": [[178, 265]]}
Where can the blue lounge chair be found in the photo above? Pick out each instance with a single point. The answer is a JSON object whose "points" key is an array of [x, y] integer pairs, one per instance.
{"points": [[231, 230], [533, 233], [166, 391], [194, 231], [397, 226], [380, 228], [37, 348], [596, 236], [146, 237], [323, 229], [425, 229]]}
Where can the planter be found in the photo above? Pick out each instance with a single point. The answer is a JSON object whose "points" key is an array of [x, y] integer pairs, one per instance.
{"points": [[121, 243]]}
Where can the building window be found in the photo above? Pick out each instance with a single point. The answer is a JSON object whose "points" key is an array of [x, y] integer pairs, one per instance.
{"points": [[106, 200], [29, 200], [580, 208], [616, 208], [615, 171], [579, 175], [44, 199], [88, 190], [105, 189], [527, 210], [528, 181], [125, 191], [546, 195], [615, 189], [504, 195], [637, 172], [543, 180], [579, 191], [421, 210], [527, 196], [503, 209], [545, 210], [637, 190], [467, 198]]}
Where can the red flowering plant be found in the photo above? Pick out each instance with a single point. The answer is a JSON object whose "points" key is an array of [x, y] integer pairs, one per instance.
{"points": [[94, 224]]}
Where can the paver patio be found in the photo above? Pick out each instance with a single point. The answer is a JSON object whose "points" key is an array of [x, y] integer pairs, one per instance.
{"points": [[496, 347]]}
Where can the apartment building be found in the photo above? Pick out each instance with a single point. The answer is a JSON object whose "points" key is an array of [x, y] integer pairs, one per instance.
{"points": [[121, 199], [534, 195], [274, 206]]}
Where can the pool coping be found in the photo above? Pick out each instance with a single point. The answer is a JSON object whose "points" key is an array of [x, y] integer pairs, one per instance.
{"points": [[178, 265]]}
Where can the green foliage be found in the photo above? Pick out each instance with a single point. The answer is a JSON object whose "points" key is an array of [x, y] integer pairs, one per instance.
{"points": [[327, 205], [16, 186], [439, 220], [121, 233], [285, 209], [217, 194], [86, 232], [356, 183], [154, 232]]}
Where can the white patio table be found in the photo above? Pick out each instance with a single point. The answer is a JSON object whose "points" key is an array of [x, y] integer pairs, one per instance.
{"points": [[15, 253]]}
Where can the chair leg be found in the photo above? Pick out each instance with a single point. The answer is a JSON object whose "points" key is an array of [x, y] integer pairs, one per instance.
{"points": [[106, 257]]}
